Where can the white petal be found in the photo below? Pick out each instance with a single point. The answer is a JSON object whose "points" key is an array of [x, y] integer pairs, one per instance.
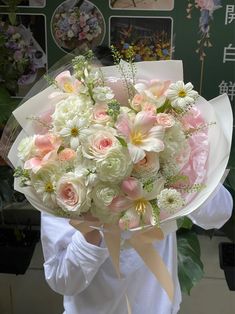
{"points": [[136, 153], [152, 145], [188, 87], [74, 142], [157, 132]]}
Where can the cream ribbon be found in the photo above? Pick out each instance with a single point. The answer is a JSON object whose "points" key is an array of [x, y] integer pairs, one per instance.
{"points": [[142, 241]]}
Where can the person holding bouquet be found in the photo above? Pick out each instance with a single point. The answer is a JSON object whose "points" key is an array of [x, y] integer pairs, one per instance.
{"points": [[80, 267], [112, 167]]}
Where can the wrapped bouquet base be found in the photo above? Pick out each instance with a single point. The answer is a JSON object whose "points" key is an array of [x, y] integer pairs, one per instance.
{"points": [[130, 145]]}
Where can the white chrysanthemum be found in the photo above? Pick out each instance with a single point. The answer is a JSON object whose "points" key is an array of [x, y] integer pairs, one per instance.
{"points": [[103, 194], [102, 93], [170, 200], [115, 167], [71, 131], [181, 95], [70, 108], [26, 148]]}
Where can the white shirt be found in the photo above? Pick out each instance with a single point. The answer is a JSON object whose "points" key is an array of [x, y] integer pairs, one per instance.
{"points": [[84, 273]]}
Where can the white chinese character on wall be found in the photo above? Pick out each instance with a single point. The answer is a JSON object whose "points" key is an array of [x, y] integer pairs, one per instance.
{"points": [[228, 88], [230, 14], [229, 53]]}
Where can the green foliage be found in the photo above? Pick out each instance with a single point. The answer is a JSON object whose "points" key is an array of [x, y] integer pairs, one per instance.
{"points": [[190, 267], [121, 141], [113, 109]]}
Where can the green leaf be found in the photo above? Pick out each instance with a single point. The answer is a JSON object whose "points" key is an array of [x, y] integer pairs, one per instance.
{"points": [[190, 267], [184, 222], [122, 141]]}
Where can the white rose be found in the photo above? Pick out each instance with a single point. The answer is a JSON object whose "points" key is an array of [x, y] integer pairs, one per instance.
{"points": [[115, 167], [26, 148], [72, 194]]}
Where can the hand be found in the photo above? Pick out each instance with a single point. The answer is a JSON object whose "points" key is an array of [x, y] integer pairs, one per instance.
{"points": [[93, 236]]}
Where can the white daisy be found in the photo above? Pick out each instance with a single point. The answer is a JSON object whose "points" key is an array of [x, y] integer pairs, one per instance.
{"points": [[181, 95], [71, 131], [170, 200], [45, 185]]}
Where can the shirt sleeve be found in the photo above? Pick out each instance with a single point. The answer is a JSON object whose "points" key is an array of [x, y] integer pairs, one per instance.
{"points": [[215, 211], [70, 261]]}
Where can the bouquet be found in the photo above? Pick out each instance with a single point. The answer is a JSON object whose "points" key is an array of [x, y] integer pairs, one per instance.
{"points": [[21, 53], [77, 25], [131, 146]]}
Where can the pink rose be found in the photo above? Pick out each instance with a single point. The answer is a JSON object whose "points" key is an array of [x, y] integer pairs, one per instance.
{"points": [[71, 194], [165, 120], [137, 101], [148, 106], [98, 141], [100, 114], [68, 194]]}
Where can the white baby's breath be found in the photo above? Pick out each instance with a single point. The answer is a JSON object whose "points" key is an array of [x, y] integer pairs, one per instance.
{"points": [[102, 93]]}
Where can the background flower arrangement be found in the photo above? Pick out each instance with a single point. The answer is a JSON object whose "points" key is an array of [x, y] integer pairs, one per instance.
{"points": [[149, 41], [20, 56], [75, 25]]}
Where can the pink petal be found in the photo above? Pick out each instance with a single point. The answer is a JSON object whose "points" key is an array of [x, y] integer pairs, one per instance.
{"points": [[132, 187], [144, 121], [43, 142], [33, 163], [62, 77], [120, 203], [123, 126]]}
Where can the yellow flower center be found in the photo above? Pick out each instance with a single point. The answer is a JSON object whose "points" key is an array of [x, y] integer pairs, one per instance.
{"points": [[74, 132], [68, 88], [49, 187], [136, 138], [140, 206], [182, 93]]}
